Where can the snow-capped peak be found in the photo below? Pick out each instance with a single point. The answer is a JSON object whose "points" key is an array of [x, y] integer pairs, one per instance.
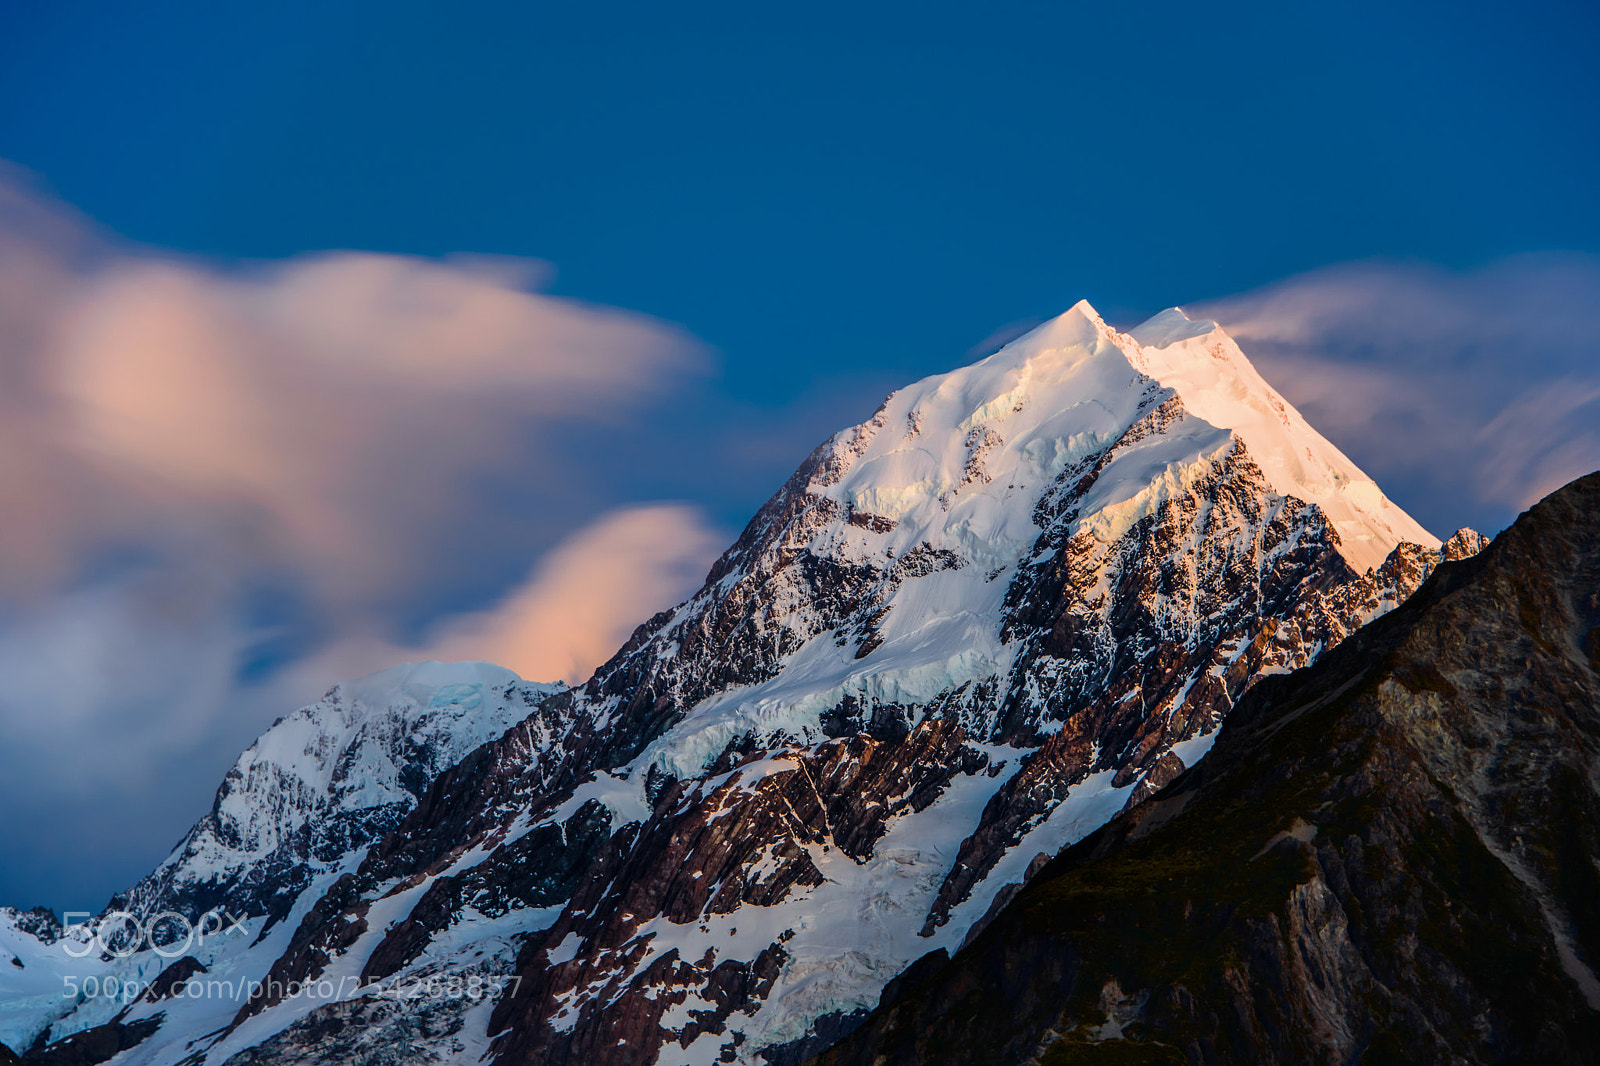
{"points": [[349, 750], [963, 635], [322, 782], [1199, 361], [1170, 327], [957, 460]]}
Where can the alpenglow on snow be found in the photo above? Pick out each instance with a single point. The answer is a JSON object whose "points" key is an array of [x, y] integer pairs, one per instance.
{"points": [[964, 634]]}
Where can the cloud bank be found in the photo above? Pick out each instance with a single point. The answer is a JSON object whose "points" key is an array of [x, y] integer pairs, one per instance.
{"points": [[1467, 395], [223, 481]]}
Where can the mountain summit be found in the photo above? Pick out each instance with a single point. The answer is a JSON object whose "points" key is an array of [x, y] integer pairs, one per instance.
{"points": [[964, 634], [1203, 365]]}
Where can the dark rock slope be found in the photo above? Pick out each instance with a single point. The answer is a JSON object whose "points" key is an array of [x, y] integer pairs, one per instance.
{"points": [[1389, 856]]}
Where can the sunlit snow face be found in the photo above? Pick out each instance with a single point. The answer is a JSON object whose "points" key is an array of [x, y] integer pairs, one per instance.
{"points": [[959, 460], [957, 463]]}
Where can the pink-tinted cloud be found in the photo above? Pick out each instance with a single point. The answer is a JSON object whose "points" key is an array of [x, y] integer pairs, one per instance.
{"points": [[340, 399], [199, 461], [331, 404], [586, 595], [1468, 395], [575, 608]]}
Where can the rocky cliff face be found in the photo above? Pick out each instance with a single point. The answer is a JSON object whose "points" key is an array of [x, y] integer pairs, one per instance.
{"points": [[1390, 856], [964, 634]]}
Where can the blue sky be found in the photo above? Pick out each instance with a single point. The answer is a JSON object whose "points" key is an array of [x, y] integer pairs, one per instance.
{"points": [[820, 189], [809, 206]]}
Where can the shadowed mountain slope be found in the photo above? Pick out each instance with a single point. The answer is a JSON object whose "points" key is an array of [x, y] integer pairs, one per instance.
{"points": [[1388, 856]]}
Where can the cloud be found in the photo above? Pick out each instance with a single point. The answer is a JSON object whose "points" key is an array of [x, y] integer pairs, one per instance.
{"points": [[587, 594], [123, 704], [1467, 395], [327, 407], [75, 665], [333, 414], [577, 606], [222, 480]]}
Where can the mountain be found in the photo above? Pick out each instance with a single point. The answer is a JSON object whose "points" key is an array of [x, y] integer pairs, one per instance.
{"points": [[301, 803], [1392, 855], [329, 779], [967, 632]]}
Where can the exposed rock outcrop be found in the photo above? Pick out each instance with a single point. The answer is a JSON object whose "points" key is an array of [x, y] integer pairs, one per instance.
{"points": [[1392, 855]]}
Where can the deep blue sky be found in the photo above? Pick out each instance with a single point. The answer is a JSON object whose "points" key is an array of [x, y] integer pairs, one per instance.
{"points": [[837, 199], [828, 194]]}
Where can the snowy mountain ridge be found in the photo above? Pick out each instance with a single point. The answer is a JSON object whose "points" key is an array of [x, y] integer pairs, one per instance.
{"points": [[296, 808], [949, 472], [332, 776], [964, 634], [1202, 364]]}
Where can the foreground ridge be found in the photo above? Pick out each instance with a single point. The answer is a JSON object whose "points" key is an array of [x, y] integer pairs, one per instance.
{"points": [[1018, 599], [1388, 856]]}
